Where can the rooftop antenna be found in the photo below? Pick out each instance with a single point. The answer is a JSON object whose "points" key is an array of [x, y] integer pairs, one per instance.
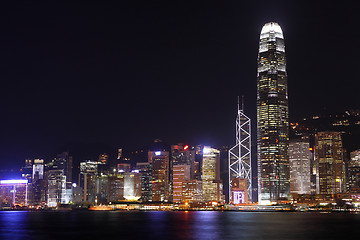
{"points": [[242, 103]]}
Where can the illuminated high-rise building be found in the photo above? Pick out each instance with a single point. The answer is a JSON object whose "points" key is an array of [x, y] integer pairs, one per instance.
{"points": [[56, 190], [132, 185], [87, 176], [354, 171], [159, 161], [63, 161], [181, 173], [300, 166], [13, 193], [240, 180], [182, 168], [329, 157], [37, 194], [211, 183], [272, 116], [146, 180]]}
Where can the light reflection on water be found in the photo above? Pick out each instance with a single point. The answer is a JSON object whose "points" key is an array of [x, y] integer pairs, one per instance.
{"points": [[176, 225], [13, 225]]}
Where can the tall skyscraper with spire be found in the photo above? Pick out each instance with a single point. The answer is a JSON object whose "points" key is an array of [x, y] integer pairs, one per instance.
{"points": [[272, 116]]}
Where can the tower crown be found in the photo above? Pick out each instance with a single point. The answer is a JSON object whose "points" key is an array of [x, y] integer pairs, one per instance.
{"points": [[271, 27]]}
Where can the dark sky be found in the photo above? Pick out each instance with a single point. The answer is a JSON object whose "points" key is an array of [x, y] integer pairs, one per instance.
{"points": [[94, 75]]}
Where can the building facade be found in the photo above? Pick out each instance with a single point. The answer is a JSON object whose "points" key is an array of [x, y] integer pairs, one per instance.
{"points": [[272, 116], [13, 193], [159, 161], [300, 166], [87, 177], [329, 156], [211, 183], [181, 173], [354, 171], [132, 185], [145, 169]]}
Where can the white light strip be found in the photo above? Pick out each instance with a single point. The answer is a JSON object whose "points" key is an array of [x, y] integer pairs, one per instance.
{"points": [[19, 181]]}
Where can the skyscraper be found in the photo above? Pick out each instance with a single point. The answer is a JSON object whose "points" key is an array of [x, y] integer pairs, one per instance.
{"points": [[329, 155], [145, 168], [159, 161], [181, 173], [240, 160], [354, 170], [211, 183], [272, 116], [300, 169], [87, 176]]}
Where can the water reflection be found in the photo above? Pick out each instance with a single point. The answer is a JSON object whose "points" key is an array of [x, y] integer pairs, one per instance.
{"points": [[13, 225], [176, 225], [184, 225], [207, 225]]}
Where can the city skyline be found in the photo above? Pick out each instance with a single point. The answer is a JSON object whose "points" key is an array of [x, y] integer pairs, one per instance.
{"points": [[88, 75]]}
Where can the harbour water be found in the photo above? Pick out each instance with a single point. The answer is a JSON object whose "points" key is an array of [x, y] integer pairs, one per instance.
{"points": [[177, 225]]}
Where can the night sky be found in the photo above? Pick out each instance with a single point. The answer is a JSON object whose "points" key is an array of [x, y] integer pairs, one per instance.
{"points": [[91, 77]]}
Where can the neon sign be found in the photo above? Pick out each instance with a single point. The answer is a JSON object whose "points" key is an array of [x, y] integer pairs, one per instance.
{"points": [[238, 197]]}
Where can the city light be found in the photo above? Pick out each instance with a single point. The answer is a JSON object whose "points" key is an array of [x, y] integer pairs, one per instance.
{"points": [[14, 181], [186, 147], [206, 150], [158, 153], [238, 197]]}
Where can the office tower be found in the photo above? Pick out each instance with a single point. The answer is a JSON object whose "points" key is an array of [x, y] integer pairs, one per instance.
{"points": [[132, 185], [146, 180], [182, 155], [211, 182], [27, 173], [240, 160], [300, 169], [181, 173], [329, 155], [56, 190], [87, 180], [354, 171], [59, 172], [38, 187], [160, 175], [272, 116], [63, 161], [102, 189], [13, 193], [116, 188], [314, 171]]}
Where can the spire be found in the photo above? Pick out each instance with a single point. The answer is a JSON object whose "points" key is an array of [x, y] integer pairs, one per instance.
{"points": [[238, 103], [242, 103]]}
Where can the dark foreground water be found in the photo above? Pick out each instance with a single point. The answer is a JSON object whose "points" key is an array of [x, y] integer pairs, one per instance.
{"points": [[177, 225]]}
